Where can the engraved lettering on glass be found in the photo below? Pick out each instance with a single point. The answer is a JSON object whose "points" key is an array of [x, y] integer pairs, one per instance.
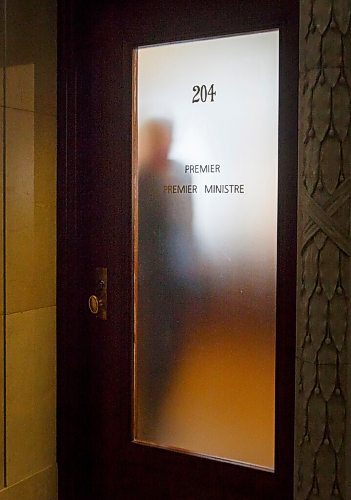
{"points": [[205, 239]]}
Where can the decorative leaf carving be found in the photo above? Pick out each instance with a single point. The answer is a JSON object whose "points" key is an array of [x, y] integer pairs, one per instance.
{"points": [[342, 217], [336, 420], [332, 75], [312, 78], [325, 276], [341, 9], [331, 49], [318, 319], [313, 52], [327, 378], [330, 155], [346, 155], [306, 470], [347, 50], [343, 379], [326, 471], [320, 240], [329, 268], [312, 164], [345, 274], [321, 15], [328, 353], [309, 354], [306, 112], [341, 110], [341, 472], [338, 320], [310, 271], [300, 420], [308, 372], [302, 319], [321, 110], [316, 420], [306, 16]]}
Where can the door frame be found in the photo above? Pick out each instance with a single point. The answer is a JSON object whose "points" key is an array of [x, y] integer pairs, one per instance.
{"points": [[73, 450], [74, 361]]}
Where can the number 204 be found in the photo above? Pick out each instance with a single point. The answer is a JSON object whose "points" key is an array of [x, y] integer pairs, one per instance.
{"points": [[203, 93]]}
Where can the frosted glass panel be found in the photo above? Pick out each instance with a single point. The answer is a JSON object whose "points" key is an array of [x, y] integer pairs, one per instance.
{"points": [[205, 238]]}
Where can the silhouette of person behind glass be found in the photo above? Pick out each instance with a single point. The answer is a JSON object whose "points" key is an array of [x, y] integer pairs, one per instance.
{"points": [[165, 272]]}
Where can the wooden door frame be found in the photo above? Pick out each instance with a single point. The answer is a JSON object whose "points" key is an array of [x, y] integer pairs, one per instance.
{"points": [[72, 348], [74, 370]]}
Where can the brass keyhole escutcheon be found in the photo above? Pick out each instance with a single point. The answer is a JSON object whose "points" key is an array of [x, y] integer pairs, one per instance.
{"points": [[94, 304], [98, 301]]}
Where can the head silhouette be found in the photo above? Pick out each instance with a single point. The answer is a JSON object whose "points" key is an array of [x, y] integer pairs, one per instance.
{"points": [[155, 140]]}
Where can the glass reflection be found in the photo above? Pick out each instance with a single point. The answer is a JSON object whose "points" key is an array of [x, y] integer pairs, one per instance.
{"points": [[205, 247]]}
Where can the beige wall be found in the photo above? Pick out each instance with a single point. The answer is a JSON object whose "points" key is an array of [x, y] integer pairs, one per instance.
{"points": [[28, 163]]}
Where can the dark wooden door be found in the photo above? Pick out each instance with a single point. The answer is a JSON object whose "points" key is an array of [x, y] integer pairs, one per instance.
{"points": [[96, 455]]}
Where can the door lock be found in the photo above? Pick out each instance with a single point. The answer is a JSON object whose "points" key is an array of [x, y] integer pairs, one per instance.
{"points": [[95, 304], [98, 301]]}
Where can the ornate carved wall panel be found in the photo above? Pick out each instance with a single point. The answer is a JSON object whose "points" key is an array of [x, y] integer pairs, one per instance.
{"points": [[323, 330]]}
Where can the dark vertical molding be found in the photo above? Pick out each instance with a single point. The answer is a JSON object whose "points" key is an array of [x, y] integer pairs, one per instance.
{"points": [[324, 248], [73, 411]]}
